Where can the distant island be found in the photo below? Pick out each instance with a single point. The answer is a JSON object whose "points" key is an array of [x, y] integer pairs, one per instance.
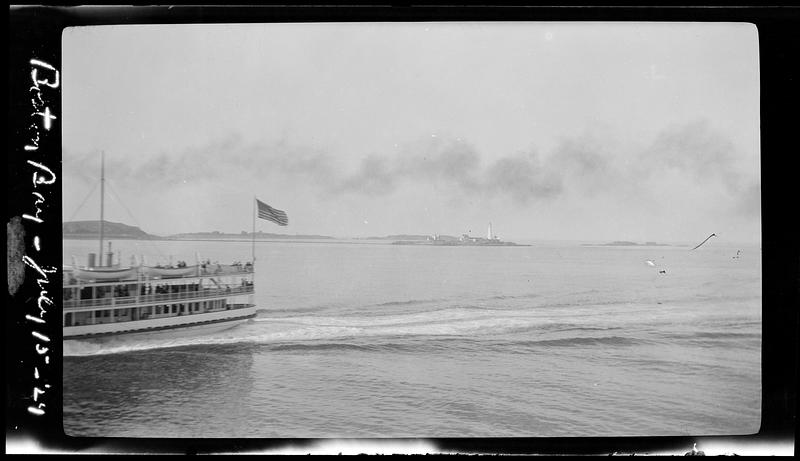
{"points": [[216, 235], [464, 240], [625, 243], [411, 237]]}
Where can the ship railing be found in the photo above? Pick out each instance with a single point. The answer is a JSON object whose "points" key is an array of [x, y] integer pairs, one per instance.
{"points": [[127, 301], [225, 269]]}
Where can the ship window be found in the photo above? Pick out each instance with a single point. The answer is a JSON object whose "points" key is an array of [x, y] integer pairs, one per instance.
{"points": [[68, 319], [106, 313]]}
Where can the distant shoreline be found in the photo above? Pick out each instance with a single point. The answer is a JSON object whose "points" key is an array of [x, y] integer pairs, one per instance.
{"points": [[457, 244], [627, 244], [242, 240]]}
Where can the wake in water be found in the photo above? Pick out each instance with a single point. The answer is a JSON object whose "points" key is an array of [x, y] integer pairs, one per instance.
{"points": [[467, 322]]}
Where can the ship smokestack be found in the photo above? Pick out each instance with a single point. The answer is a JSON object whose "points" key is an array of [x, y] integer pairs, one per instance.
{"points": [[489, 232], [92, 257]]}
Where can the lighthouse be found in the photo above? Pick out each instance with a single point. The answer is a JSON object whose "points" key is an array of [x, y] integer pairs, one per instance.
{"points": [[489, 232]]}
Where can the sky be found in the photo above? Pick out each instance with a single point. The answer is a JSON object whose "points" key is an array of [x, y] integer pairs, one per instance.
{"points": [[550, 131]]}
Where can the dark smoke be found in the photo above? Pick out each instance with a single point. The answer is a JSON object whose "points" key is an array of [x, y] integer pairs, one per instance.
{"points": [[580, 166], [694, 149]]}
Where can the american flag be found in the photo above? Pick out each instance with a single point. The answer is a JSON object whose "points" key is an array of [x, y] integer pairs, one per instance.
{"points": [[271, 214]]}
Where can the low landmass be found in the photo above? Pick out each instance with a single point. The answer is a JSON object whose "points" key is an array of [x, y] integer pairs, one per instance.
{"points": [[464, 240], [458, 243], [625, 243], [412, 237], [216, 235], [115, 230]]}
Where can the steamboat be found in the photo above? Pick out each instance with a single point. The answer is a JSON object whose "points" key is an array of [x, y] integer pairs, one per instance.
{"points": [[109, 300], [106, 301]]}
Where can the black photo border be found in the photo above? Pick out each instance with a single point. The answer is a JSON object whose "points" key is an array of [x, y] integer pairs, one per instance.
{"points": [[35, 34]]}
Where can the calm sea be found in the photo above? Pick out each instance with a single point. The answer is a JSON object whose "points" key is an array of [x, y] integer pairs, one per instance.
{"points": [[368, 339]]}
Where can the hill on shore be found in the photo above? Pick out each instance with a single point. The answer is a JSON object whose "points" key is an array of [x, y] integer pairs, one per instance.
{"points": [[91, 229]]}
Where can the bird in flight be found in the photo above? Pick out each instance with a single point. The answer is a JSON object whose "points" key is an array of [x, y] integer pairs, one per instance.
{"points": [[704, 241]]}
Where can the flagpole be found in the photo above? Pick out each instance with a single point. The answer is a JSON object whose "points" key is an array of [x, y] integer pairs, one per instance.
{"points": [[254, 232]]}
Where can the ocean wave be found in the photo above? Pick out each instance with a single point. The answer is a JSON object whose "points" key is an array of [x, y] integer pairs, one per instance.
{"points": [[408, 302], [435, 344], [579, 341], [305, 347], [413, 346], [724, 335], [522, 296], [711, 336]]}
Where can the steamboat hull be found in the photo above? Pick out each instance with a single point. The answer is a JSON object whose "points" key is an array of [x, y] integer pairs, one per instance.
{"points": [[181, 326]]}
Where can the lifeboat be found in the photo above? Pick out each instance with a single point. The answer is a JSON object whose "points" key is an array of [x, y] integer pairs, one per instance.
{"points": [[169, 272], [104, 273]]}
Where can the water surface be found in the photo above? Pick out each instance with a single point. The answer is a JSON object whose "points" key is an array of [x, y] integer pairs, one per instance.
{"points": [[366, 339]]}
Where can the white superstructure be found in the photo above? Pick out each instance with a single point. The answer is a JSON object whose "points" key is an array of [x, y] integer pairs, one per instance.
{"points": [[214, 296]]}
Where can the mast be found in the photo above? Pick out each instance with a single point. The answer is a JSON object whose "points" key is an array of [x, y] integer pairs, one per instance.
{"points": [[254, 232], [102, 197]]}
